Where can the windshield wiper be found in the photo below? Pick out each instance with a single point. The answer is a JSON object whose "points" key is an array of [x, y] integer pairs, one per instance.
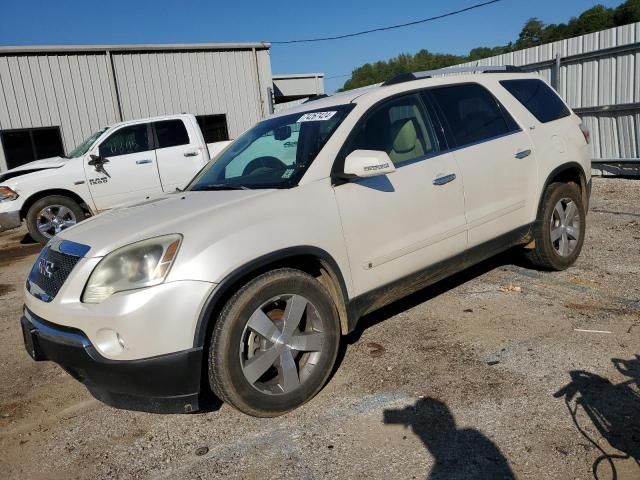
{"points": [[222, 186]]}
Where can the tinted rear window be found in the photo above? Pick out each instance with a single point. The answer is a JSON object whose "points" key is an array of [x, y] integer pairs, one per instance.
{"points": [[538, 98], [171, 133], [472, 113]]}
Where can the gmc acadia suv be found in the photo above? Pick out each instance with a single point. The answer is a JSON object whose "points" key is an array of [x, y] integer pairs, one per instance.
{"points": [[243, 283]]}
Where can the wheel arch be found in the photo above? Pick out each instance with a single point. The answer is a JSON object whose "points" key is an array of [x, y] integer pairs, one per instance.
{"points": [[566, 173], [52, 191], [309, 259]]}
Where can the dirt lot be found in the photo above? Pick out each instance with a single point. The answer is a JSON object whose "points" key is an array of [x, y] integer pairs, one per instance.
{"points": [[469, 383]]}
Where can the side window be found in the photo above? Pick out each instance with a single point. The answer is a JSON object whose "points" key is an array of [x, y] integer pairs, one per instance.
{"points": [[538, 98], [398, 127], [171, 133], [473, 114], [132, 139]]}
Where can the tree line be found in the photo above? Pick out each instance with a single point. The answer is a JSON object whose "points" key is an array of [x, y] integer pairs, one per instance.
{"points": [[533, 33]]}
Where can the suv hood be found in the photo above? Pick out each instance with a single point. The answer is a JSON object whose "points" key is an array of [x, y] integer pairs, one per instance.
{"points": [[45, 163], [182, 213]]}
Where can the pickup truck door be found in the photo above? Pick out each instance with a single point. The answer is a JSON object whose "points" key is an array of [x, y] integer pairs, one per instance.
{"points": [[180, 155], [129, 171], [404, 222]]}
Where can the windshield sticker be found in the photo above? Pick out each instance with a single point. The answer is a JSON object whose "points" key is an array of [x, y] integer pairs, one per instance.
{"points": [[316, 116], [288, 172]]}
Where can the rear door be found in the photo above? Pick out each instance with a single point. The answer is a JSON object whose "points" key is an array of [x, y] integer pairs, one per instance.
{"points": [[129, 172], [179, 155], [398, 224], [496, 159]]}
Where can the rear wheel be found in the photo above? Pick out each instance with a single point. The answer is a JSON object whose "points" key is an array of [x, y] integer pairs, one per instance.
{"points": [[560, 228], [51, 215], [274, 344]]}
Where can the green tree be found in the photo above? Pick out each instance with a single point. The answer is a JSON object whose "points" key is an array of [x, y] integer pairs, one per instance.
{"points": [[531, 34], [592, 20], [628, 12], [380, 71]]}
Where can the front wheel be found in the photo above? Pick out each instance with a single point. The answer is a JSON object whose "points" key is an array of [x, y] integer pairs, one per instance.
{"points": [[274, 344], [51, 215], [560, 229]]}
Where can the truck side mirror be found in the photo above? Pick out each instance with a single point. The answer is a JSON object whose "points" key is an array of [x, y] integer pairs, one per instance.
{"points": [[95, 160]]}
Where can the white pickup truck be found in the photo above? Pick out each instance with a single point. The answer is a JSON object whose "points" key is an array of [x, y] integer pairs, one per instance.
{"points": [[123, 163]]}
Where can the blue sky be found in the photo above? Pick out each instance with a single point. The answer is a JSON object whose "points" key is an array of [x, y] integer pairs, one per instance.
{"points": [[169, 21]]}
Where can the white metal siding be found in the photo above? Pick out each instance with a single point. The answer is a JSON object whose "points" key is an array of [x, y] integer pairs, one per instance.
{"points": [[198, 82], [69, 91]]}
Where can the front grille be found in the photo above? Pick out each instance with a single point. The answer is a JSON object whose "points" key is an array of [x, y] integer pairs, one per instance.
{"points": [[49, 273]]}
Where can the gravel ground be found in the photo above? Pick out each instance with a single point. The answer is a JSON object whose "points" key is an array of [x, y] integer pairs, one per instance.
{"points": [[477, 377]]}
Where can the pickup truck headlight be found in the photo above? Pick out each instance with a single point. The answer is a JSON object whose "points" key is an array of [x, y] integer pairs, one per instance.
{"points": [[7, 194], [139, 265]]}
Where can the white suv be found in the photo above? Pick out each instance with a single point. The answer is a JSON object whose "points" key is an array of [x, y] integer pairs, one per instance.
{"points": [[243, 283]]}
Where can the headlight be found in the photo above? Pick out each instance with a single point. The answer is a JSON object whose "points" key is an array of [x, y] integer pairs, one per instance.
{"points": [[7, 194], [139, 265]]}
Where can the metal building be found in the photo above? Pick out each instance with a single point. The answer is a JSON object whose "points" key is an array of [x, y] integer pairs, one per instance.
{"points": [[598, 74], [53, 97]]}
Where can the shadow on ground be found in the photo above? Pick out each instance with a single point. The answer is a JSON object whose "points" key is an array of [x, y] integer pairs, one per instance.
{"points": [[614, 410], [458, 453]]}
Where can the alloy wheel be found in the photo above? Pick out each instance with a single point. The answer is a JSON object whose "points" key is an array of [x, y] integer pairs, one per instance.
{"points": [[565, 227], [53, 219], [281, 344]]}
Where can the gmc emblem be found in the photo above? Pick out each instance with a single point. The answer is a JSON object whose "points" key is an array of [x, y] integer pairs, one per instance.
{"points": [[46, 268]]}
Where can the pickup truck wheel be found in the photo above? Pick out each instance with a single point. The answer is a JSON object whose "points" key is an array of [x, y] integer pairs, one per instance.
{"points": [[560, 229], [275, 343], [51, 215]]}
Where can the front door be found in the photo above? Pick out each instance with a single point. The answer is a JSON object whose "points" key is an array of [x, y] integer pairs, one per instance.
{"points": [[496, 159], [129, 172], [398, 224]]}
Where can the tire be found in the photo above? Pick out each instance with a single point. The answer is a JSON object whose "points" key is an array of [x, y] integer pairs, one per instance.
{"points": [[56, 211], [237, 354], [553, 252]]}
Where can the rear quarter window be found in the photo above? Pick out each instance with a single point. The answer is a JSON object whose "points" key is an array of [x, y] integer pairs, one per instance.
{"points": [[537, 97]]}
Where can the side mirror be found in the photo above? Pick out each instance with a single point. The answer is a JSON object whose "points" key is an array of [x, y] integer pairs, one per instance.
{"points": [[282, 133], [95, 160], [367, 163]]}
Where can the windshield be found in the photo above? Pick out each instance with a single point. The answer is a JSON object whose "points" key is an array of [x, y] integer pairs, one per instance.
{"points": [[274, 153], [84, 146]]}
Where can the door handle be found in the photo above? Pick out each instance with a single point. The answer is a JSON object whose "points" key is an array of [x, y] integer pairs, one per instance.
{"points": [[444, 179], [523, 153], [190, 154], [142, 162]]}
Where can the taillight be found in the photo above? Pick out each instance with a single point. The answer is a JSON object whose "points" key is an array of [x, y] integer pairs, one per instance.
{"points": [[585, 131]]}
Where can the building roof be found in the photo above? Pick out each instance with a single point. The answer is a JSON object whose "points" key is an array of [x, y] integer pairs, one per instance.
{"points": [[19, 49], [286, 76]]}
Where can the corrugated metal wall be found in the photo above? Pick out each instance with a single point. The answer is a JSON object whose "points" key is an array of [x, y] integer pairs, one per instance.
{"points": [[599, 76], [80, 92], [198, 82], [70, 91]]}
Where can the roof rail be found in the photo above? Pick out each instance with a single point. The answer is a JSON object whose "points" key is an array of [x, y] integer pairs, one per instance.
{"points": [[408, 77]]}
